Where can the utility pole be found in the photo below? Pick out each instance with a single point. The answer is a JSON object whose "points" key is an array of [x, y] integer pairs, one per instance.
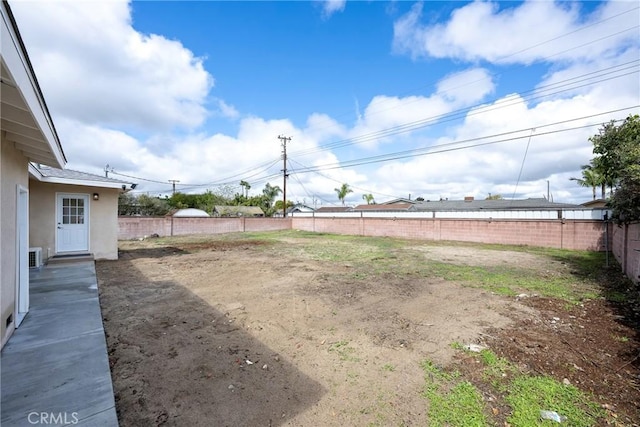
{"points": [[284, 140], [173, 181], [548, 192], [106, 170]]}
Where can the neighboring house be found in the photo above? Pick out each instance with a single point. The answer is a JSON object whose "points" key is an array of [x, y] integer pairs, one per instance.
{"points": [[399, 200], [595, 204], [331, 209], [190, 213], [395, 207], [297, 208], [27, 134], [237, 211], [73, 212], [470, 204]]}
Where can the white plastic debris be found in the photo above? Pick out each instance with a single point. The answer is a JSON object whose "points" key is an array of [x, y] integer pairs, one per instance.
{"points": [[552, 415], [249, 362], [476, 348]]}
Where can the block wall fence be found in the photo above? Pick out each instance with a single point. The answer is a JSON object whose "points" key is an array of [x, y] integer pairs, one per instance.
{"points": [[588, 235], [626, 249]]}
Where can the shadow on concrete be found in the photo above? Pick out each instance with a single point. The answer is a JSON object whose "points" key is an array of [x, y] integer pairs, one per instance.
{"points": [[176, 360], [55, 369]]}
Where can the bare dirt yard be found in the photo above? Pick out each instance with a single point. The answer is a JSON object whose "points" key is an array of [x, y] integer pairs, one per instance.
{"points": [[293, 328]]}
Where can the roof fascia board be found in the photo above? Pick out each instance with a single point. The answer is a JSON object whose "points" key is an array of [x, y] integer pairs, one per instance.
{"points": [[15, 57]]}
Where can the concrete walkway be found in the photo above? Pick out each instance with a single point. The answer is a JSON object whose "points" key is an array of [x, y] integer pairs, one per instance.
{"points": [[55, 369]]}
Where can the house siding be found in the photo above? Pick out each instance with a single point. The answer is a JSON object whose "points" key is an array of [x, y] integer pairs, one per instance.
{"points": [[13, 172], [103, 218]]}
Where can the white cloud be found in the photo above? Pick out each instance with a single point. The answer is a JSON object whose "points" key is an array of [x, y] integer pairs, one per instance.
{"points": [[329, 7], [532, 31], [457, 90], [228, 111], [95, 68]]}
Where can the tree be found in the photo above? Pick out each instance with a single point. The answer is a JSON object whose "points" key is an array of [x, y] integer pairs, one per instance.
{"points": [[127, 204], [246, 187], [617, 159], [591, 178], [419, 199], [369, 199], [494, 197], [152, 206], [343, 191], [269, 194]]}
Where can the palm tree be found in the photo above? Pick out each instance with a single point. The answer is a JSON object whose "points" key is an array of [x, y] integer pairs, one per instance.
{"points": [[369, 199], [343, 191], [269, 194], [246, 187], [591, 178]]}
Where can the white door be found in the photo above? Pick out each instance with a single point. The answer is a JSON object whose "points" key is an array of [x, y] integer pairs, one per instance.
{"points": [[72, 222], [22, 294]]}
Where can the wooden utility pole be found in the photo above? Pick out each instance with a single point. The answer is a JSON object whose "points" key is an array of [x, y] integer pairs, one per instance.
{"points": [[284, 140], [173, 181]]}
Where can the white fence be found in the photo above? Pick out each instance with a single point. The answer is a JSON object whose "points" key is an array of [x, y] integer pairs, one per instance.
{"points": [[577, 214]]}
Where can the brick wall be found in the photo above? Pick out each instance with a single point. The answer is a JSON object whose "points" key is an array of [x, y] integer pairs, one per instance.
{"points": [[137, 227], [567, 234], [624, 241], [626, 249]]}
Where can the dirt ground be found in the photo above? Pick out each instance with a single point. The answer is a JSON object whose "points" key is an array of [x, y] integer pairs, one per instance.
{"points": [[238, 333]]}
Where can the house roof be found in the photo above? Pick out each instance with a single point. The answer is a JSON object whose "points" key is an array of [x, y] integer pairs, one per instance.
{"points": [[333, 209], [300, 208], [400, 200], [72, 177], [238, 210], [26, 120], [190, 212], [502, 204], [386, 208], [598, 203]]}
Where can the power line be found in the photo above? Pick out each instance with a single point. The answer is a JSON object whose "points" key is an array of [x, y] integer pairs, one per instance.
{"points": [[536, 94], [428, 150]]}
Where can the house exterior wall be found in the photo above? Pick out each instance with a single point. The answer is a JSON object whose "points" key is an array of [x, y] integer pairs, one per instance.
{"points": [[103, 218], [13, 172]]}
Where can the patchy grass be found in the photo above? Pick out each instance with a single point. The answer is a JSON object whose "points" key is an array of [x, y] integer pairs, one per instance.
{"points": [[528, 395], [344, 351], [454, 401], [370, 257]]}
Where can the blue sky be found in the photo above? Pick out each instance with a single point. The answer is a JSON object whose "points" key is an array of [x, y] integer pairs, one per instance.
{"points": [[200, 91]]}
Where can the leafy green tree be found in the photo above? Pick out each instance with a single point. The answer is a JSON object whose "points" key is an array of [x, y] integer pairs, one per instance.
{"points": [[343, 191], [369, 199], [127, 204], [152, 206], [494, 197], [419, 199], [617, 159]]}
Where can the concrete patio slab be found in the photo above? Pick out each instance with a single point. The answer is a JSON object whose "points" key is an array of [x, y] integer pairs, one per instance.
{"points": [[55, 368]]}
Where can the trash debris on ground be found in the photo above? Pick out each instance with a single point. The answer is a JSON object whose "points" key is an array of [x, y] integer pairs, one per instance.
{"points": [[552, 415], [476, 348]]}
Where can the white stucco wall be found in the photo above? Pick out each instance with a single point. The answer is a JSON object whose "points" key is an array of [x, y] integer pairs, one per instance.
{"points": [[13, 172], [103, 218]]}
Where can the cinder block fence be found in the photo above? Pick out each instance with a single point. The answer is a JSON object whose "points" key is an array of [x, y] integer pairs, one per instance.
{"points": [[580, 234]]}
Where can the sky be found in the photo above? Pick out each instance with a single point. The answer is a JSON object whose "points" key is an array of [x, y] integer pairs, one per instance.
{"points": [[397, 99]]}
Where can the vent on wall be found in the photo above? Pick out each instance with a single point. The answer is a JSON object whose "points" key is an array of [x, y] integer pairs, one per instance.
{"points": [[35, 257]]}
